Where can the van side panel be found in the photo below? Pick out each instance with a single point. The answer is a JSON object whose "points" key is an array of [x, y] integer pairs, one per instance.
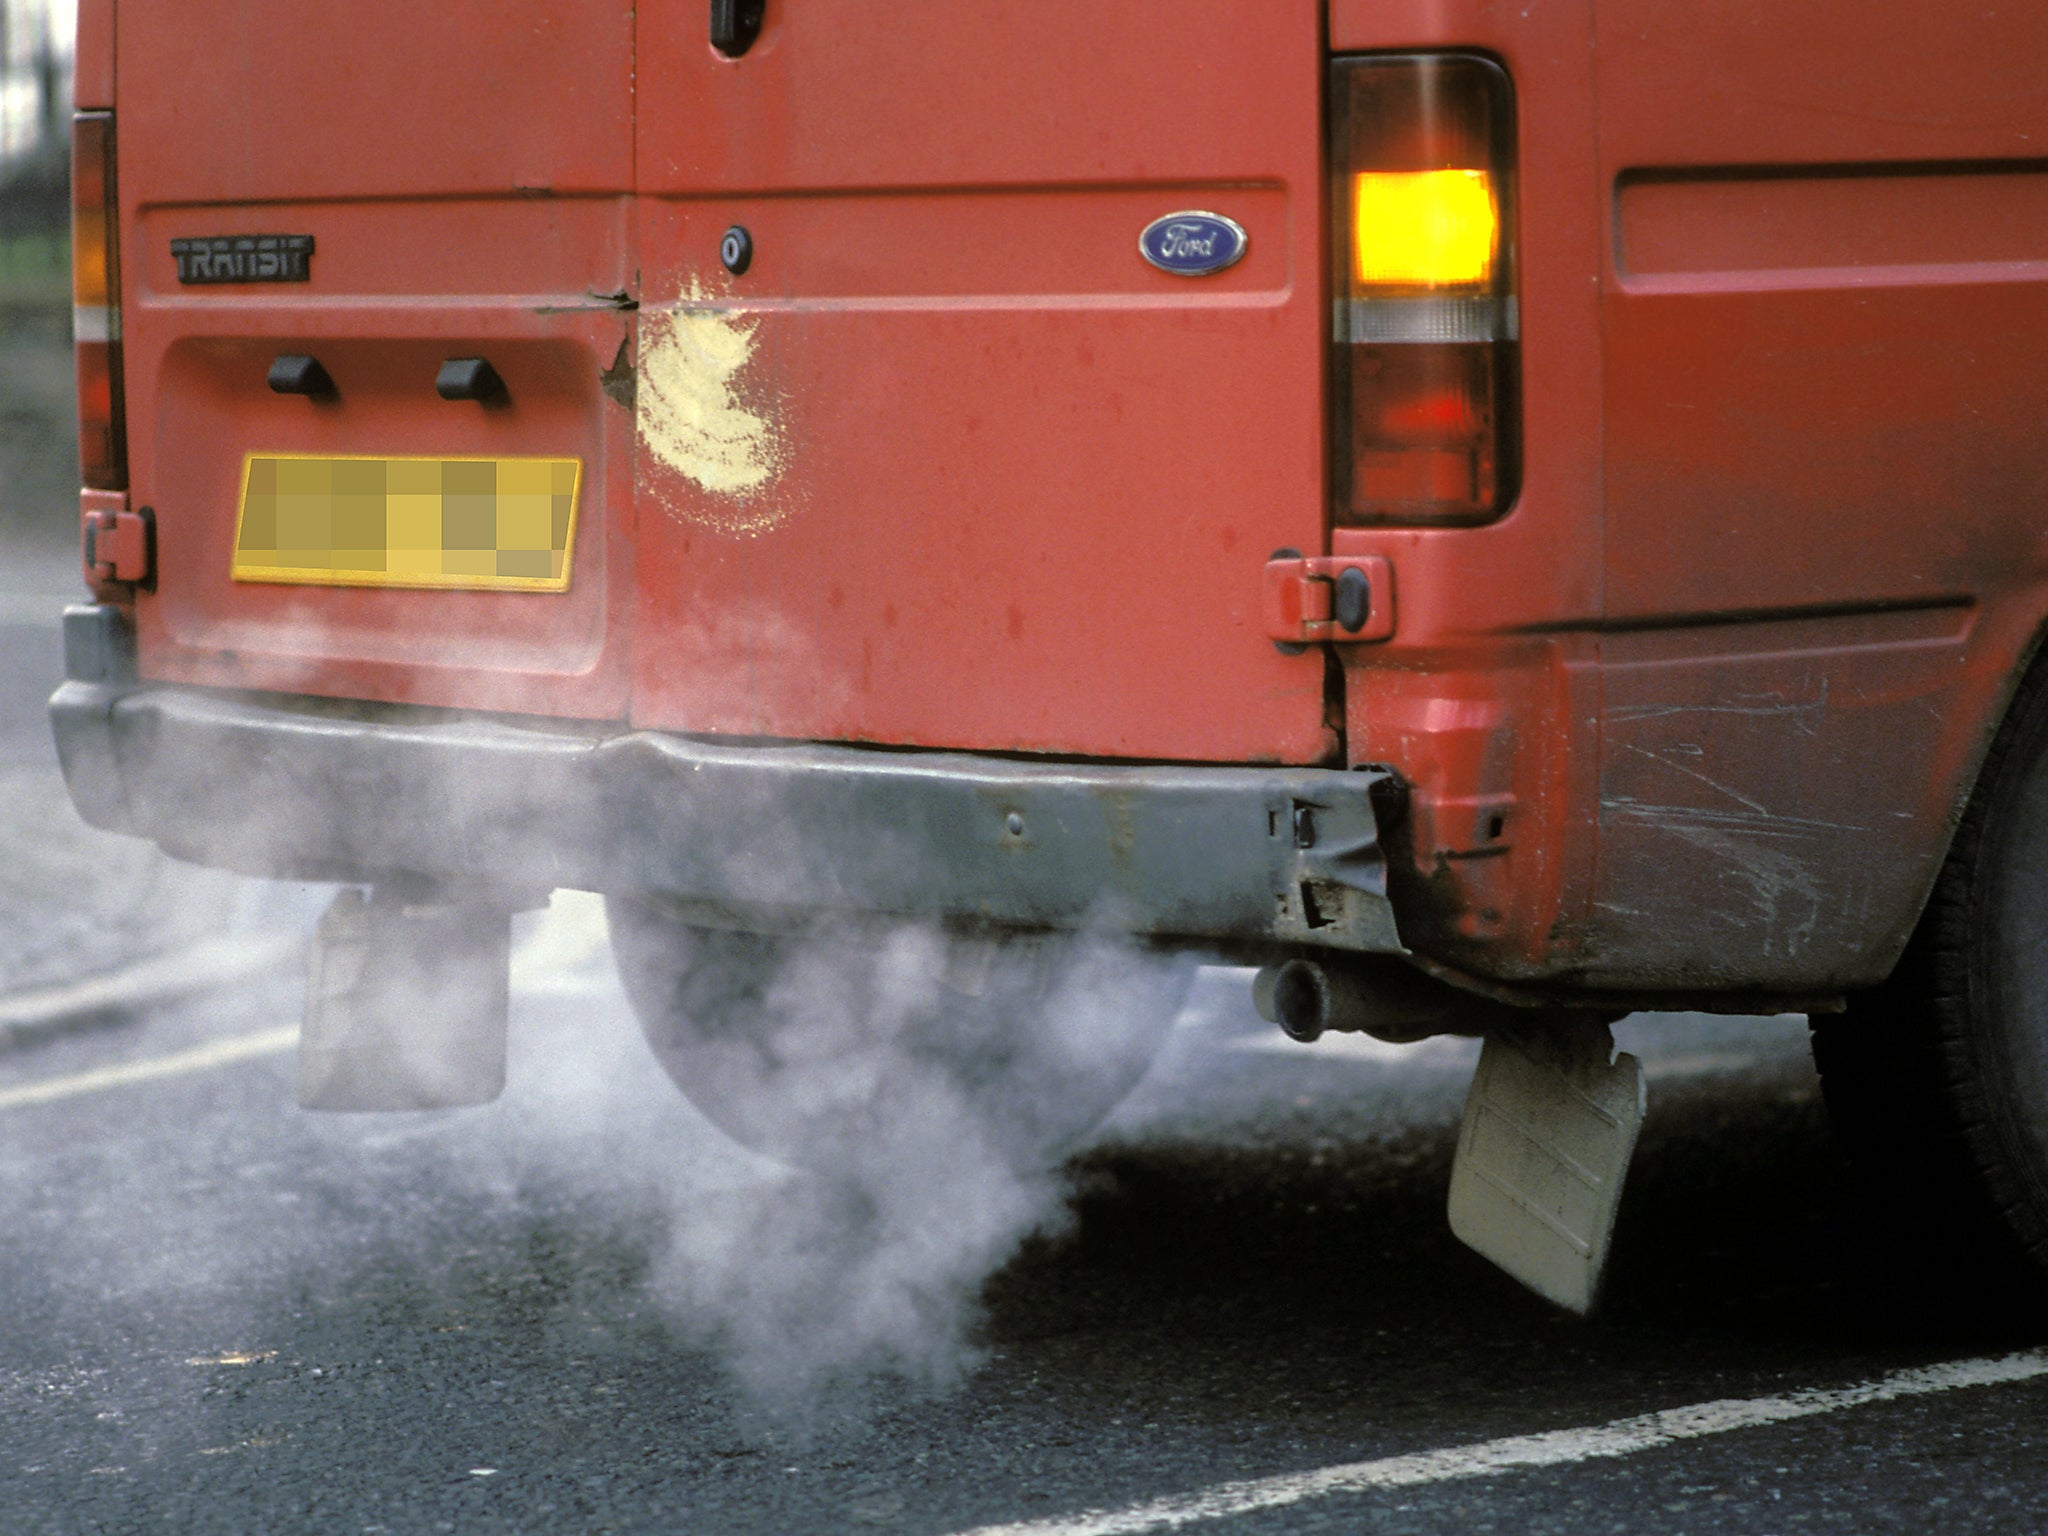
{"points": [[1697, 714], [1825, 327]]}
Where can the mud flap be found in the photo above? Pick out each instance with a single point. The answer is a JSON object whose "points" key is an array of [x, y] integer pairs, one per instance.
{"points": [[405, 1006], [1550, 1125]]}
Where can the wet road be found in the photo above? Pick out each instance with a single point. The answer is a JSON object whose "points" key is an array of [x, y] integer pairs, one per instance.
{"points": [[225, 1314]]}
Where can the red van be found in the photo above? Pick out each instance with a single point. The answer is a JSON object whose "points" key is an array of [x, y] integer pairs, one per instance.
{"points": [[1502, 515]]}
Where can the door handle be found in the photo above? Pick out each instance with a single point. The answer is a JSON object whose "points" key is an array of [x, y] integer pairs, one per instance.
{"points": [[735, 24], [294, 373], [471, 378]]}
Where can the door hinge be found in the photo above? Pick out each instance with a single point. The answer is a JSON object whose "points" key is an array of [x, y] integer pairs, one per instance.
{"points": [[118, 546], [1314, 598]]}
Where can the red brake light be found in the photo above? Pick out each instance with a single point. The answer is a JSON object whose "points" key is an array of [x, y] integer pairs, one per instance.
{"points": [[1426, 321], [96, 303]]}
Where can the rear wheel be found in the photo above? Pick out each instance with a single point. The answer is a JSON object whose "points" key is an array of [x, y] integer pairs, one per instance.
{"points": [[1938, 1080], [863, 1038]]}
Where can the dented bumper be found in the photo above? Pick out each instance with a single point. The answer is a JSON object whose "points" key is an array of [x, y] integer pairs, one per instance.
{"points": [[326, 790]]}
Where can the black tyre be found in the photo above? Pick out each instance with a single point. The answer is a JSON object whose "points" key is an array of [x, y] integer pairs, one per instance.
{"points": [[862, 1041], [1938, 1081]]}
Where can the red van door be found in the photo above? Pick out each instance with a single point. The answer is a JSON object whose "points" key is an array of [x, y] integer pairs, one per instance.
{"points": [[454, 183], [939, 458]]}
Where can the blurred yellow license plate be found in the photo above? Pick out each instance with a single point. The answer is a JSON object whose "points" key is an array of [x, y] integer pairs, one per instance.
{"points": [[498, 524]]}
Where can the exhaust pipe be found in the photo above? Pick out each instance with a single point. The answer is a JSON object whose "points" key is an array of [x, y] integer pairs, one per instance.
{"points": [[1299, 996], [1385, 998], [406, 1004]]}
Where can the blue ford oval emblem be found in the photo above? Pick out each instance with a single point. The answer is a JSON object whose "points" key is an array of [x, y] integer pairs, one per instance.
{"points": [[1192, 243]]}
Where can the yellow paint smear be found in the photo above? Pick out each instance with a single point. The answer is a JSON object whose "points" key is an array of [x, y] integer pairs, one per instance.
{"points": [[694, 416]]}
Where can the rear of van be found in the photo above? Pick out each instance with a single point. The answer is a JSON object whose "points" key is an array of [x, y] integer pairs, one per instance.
{"points": [[1225, 480], [572, 444]]}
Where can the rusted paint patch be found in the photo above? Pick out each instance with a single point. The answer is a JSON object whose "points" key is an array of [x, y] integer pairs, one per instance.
{"points": [[696, 417]]}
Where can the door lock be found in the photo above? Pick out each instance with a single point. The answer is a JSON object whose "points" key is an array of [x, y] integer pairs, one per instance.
{"points": [[735, 24]]}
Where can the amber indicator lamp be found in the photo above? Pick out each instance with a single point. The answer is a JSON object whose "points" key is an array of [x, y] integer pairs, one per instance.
{"points": [[1425, 320]]}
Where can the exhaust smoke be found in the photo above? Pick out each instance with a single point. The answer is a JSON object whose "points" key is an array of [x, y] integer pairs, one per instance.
{"points": [[917, 1089], [905, 1092]]}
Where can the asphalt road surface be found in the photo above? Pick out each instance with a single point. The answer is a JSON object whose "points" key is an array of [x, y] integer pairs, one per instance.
{"points": [[582, 1309]]}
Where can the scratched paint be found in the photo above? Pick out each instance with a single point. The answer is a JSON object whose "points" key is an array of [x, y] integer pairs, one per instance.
{"points": [[696, 416], [1765, 857]]}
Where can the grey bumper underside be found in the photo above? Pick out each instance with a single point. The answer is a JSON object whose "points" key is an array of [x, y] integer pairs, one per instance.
{"points": [[358, 792]]}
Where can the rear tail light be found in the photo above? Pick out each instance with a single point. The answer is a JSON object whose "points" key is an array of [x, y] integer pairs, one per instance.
{"points": [[1425, 323], [96, 303]]}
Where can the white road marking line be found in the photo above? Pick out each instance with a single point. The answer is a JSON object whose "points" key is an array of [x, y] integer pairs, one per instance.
{"points": [[198, 967], [1563, 1447], [204, 1058]]}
